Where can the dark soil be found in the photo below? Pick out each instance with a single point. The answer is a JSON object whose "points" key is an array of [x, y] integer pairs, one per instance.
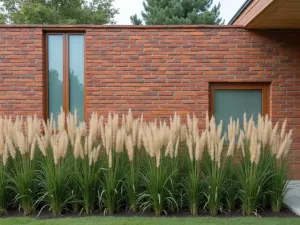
{"points": [[46, 214]]}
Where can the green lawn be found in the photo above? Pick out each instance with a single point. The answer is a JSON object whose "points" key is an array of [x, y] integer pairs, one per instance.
{"points": [[152, 221]]}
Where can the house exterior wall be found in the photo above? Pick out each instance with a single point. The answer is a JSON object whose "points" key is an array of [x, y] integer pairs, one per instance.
{"points": [[158, 70]]}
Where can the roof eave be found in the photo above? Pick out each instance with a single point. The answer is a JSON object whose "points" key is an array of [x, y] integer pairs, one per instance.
{"points": [[240, 11]]}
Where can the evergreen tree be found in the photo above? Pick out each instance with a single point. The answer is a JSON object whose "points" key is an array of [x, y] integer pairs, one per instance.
{"points": [[57, 11], [167, 12]]}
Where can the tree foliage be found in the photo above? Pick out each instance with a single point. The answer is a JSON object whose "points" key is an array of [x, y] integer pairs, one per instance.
{"points": [[167, 12], [57, 11]]}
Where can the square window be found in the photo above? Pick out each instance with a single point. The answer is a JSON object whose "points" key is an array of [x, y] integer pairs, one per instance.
{"points": [[234, 99]]}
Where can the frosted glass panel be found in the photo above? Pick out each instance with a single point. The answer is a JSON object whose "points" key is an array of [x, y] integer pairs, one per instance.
{"points": [[76, 74], [233, 103], [55, 74]]}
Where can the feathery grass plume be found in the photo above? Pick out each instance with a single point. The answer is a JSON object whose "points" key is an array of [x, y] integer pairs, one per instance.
{"points": [[274, 134], [59, 144], [82, 128], [219, 130], [283, 128], [119, 141], [237, 127], [43, 142], [250, 127], [195, 130], [285, 145], [170, 147], [189, 123], [93, 125], [189, 143], [129, 148], [61, 120], [253, 145], [32, 128], [219, 151], [108, 138], [48, 129], [230, 129], [5, 155], [78, 150], [202, 142], [290, 141], [32, 149], [22, 143], [241, 145], [135, 127], [102, 130], [267, 133], [258, 153], [11, 148], [245, 124], [176, 148], [260, 127], [115, 126], [129, 120], [231, 146], [207, 121]]}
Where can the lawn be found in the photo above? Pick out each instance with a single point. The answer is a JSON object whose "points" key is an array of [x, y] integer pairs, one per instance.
{"points": [[153, 221]]}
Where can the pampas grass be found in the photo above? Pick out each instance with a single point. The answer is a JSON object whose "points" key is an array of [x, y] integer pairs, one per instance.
{"points": [[127, 163]]}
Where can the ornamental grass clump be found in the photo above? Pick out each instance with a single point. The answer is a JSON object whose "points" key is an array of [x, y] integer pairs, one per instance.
{"points": [[4, 154], [280, 144], [231, 188], [158, 177], [133, 142], [253, 173], [193, 182], [213, 168], [111, 193], [125, 163], [54, 174], [22, 176], [87, 166]]}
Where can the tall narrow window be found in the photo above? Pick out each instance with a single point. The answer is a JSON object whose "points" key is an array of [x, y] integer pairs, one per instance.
{"points": [[65, 61], [234, 99]]}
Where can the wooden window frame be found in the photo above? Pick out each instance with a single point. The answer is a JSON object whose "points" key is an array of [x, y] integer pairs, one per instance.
{"points": [[66, 82], [263, 86]]}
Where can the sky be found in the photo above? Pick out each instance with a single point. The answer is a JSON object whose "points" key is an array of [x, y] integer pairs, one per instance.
{"points": [[130, 7]]}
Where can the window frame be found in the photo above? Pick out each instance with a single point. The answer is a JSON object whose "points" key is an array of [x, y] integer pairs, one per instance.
{"points": [[263, 86], [66, 80]]}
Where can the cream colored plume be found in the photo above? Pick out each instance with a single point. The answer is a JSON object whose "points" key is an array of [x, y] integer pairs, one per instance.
{"points": [[61, 120], [129, 120], [129, 148]]}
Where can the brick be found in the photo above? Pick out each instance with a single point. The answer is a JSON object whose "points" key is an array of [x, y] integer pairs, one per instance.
{"points": [[157, 71]]}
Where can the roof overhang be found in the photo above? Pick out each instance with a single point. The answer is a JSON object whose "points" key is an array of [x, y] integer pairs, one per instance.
{"points": [[268, 14]]}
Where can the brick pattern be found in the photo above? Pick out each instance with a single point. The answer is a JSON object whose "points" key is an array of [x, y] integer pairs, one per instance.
{"points": [[21, 71], [159, 70]]}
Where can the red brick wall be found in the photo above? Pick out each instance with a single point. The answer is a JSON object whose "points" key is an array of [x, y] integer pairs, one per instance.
{"points": [[159, 70], [21, 71]]}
